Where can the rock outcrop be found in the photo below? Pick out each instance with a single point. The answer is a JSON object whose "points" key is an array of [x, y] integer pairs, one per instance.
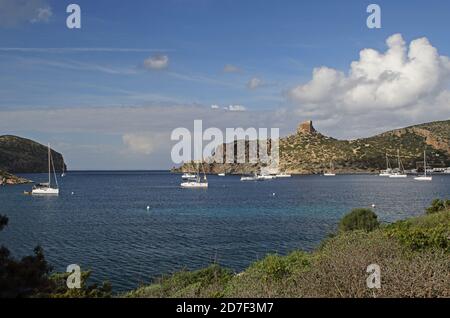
{"points": [[9, 179], [306, 127]]}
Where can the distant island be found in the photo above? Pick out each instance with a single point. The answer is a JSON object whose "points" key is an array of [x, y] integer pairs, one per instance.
{"points": [[310, 152], [21, 155]]}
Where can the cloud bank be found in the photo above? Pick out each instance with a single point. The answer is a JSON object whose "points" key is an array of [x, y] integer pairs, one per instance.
{"points": [[229, 68], [254, 83], [156, 62], [17, 12], [403, 85]]}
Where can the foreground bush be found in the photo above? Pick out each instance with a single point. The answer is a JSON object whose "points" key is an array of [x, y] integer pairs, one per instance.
{"points": [[359, 219], [438, 205], [429, 231], [270, 277], [208, 282]]}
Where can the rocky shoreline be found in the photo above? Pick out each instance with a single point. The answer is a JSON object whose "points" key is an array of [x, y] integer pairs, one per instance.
{"points": [[10, 179]]}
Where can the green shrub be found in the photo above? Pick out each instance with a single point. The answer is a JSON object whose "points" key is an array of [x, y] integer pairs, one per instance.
{"points": [[438, 205], [418, 238], [274, 267], [359, 219], [207, 282], [59, 288]]}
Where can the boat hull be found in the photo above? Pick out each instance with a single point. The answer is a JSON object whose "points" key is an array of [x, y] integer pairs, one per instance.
{"points": [[194, 185], [45, 191], [398, 176], [423, 178], [266, 177], [249, 179]]}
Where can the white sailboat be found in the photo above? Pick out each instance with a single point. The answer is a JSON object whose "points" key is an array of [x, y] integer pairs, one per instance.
{"points": [[282, 175], [388, 171], [424, 177], [266, 177], [400, 173], [47, 188], [221, 174], [331, 172], [255, 177], [196, 182], [188, 175]]}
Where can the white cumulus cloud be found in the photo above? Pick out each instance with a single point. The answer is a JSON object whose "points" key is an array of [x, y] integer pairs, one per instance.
{"points": [[43, 15], [229, 68], [236, 108], [140, 143], [402, 85], [17, 12], [254, 82], [156, 62]]}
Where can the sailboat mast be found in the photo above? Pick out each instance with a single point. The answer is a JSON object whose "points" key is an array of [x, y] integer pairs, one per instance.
{"points": [[49, 167], [424, 163], [398, 159]]}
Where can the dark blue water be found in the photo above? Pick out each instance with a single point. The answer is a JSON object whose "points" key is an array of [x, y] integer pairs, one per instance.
{"points": [[105, 226]]}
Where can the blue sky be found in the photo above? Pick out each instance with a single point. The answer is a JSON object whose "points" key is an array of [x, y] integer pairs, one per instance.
{"points": [[44, 66]]}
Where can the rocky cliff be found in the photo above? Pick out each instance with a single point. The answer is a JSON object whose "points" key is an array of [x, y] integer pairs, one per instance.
{"points": [[308, 151], [20, 155]]}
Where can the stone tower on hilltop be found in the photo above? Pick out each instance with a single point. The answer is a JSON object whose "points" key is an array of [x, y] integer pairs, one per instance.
{"points": [[306, 127]]}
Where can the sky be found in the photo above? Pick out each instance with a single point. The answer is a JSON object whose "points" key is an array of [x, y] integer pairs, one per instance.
{"points": [[108, 95]]}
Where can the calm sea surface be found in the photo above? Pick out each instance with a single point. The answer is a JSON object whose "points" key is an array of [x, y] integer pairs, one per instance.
{"points": [[105, 226]]}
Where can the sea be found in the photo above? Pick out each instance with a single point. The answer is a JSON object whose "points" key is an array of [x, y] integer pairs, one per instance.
{"points": [[131, 227]]}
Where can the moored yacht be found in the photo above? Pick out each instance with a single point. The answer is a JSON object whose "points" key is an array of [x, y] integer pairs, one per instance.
{"points": [[424, 177], [188, 175], [388, 171], [283, 175], [47, 188], [250, 178], [400, 172], [331, 172], [196, 181]]}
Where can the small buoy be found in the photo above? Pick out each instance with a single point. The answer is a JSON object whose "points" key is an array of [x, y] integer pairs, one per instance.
{"points": [[72, 193], [373, 205], [273, 194], [148, 207]]}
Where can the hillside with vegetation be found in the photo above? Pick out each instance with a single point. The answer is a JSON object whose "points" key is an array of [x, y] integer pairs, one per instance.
{"points": [[21, 155], [413, 256], [309, 152]]}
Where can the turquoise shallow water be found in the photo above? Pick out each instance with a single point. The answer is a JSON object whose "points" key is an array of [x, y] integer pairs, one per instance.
{"points": [[105, 226]]}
